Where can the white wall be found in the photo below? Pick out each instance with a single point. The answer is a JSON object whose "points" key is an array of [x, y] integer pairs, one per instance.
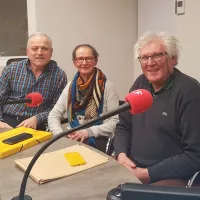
{"points": [[160, 15], [108, 25], [188, 32], [154, 15]]}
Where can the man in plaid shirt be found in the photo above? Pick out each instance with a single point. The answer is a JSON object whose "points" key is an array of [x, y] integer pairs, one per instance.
{"points": [[36, 74]]}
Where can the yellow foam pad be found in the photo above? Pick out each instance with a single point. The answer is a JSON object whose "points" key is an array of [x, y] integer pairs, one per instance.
{"points": [[38, 137]]}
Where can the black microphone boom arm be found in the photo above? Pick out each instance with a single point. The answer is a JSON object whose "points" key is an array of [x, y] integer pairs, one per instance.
{"points": [[102, 117], [18, 101]]}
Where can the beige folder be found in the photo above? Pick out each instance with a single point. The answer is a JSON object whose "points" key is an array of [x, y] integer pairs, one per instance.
{"points": [[53, 165]]}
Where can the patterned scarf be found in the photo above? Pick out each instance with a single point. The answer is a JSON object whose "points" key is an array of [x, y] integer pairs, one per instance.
{"points": [[86, 98]]}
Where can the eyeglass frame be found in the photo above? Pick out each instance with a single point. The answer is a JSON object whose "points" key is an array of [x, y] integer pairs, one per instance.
{"points": [[85, 58], [153, 57]]}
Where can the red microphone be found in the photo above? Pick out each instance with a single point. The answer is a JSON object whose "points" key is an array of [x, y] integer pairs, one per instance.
{"points": [[36, 99], [33, 99], [140, 100]]}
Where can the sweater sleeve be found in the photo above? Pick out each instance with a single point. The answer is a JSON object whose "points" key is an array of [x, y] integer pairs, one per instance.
{"points": [[111, 101], [187, 162], [58, 111]]}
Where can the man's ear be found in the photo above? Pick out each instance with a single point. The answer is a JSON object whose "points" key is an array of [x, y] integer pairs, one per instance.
{"points": [[174, 60]]}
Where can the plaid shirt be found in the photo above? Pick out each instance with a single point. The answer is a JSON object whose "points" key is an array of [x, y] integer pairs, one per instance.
{"points": [[17, 80]]}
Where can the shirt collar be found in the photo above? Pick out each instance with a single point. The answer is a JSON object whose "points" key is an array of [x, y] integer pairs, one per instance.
{"points": [[47, 68], [167, 86]]}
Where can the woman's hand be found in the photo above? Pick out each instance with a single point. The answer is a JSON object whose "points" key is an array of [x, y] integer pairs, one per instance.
{"points": [[79, 135]]}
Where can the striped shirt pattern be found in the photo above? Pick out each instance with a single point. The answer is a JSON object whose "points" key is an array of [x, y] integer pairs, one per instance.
{"points": [[17, 80]]}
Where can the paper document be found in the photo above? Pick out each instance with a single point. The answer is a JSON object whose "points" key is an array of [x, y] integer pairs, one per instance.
{"points": [[53, 165]]}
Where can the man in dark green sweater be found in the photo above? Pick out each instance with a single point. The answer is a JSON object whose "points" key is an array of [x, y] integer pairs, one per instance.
{"points": [[162, 144]]}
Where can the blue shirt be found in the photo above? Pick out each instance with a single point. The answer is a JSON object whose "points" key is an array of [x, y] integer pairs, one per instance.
{"points": [[18, 80]]}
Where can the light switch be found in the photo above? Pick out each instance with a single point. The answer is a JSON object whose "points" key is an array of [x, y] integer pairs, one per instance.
{"points": [[180, 7]]}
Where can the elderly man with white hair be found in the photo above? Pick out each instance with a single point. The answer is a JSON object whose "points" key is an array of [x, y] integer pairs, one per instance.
{"points": [[161, 145]]}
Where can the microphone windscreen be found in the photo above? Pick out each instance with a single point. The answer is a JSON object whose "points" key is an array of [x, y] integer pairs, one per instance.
{"points": [[140, 100], [36, 99]]}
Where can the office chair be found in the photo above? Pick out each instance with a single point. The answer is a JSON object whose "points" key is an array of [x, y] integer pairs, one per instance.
{"points": [[194, 181], [109, 145], [12, 60], [105, 143]]}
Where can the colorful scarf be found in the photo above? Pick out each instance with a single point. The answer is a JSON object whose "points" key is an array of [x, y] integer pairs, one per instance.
{"points": [[86, 99]]}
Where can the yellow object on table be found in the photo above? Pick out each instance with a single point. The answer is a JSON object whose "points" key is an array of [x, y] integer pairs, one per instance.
{"points": [[74, 159], [38, 137]]}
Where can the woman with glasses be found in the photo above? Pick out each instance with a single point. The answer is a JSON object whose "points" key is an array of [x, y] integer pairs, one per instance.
{"points": [[88, 95]]}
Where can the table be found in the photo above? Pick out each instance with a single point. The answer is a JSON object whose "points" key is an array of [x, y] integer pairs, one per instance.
{"points": [[92, 184]]}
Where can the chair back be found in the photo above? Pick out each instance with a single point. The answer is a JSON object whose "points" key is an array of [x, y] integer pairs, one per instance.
{"points": [[12, 60], [194, 181], [109, 145]]}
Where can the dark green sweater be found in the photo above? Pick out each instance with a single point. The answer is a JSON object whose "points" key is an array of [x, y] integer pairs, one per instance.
{"points": [[166, 138]]}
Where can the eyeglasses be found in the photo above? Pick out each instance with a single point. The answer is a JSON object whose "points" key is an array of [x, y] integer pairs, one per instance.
{"points": [[88, 59], [155, 57]]}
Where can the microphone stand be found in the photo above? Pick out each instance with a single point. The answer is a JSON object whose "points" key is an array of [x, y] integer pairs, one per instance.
{"points": [[102, 117]]}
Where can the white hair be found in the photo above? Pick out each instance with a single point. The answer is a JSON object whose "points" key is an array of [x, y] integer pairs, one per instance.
{"points": [[171, 44], [39, 34]]}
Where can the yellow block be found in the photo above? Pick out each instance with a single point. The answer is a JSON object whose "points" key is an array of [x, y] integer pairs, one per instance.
{"points": [[38, 137]]}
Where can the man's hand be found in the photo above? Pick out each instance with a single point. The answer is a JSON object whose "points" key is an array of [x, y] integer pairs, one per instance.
{"points": [[142, 174], [5, 125], [29, 123], [79, 135], [124, 160]]}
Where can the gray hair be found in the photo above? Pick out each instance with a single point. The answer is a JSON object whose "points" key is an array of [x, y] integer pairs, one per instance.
{"points": [[39, 34], [172, 46]]}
